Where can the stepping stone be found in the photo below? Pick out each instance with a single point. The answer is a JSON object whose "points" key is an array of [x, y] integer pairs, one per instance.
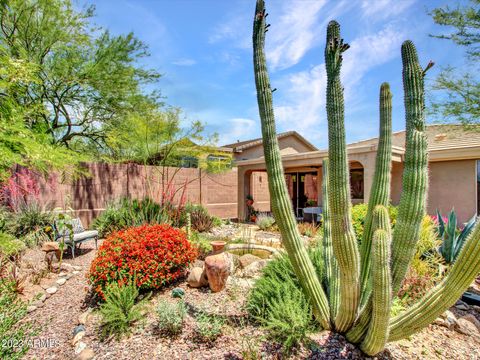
{"points": [[51, 290], [61, 281], [31, 308]]}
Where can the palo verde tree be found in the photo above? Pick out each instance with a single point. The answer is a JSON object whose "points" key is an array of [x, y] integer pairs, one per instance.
{"points": [[369, 276]]}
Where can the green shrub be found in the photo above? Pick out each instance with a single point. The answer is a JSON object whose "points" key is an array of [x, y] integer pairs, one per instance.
{"points": [[119, 311], [10, 247], [217, 221], [264, 221], [31, 218], [209, 327], [202, 243], [15, 332], [359, 212], [171, 316], [277, 302]]}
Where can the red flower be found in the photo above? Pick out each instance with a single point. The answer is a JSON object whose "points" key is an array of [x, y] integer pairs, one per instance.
{"points": [[156, 254]]}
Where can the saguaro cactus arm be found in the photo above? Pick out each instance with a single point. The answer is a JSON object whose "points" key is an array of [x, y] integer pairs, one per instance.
{"points": [[380, 191], [445, 294], [377, 334], [343, 237], [332, 275], [415, 180], [280, 200]]}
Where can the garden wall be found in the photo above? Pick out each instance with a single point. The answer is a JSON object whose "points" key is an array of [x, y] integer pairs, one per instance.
{"points": [[89, 195]]}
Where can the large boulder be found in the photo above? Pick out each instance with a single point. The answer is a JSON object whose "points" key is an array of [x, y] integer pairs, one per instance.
{"points": [[197, 278], [50, 246], [247, 259], [218, 269], [52, 251]]}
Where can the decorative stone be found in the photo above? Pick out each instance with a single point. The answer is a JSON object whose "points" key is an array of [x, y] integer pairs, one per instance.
{"points": [[178, 293], [83, 317], [465, 327], [79, 336], [76, 272], [68, 276], [217, 268], [450, 319], [473, 320], [51, 290], [50, 246], [31, 308], [77, 268], [254, 269], [462, 306], [38, 304], [42, 297], [45, 286], [61, 281], [197, 278], [80, 347], [77, 329], [247, 259], [86, 354], [62, 274], [198, 263]]}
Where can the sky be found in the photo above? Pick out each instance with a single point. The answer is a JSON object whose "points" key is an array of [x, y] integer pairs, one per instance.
{"points": [[203, 50]]}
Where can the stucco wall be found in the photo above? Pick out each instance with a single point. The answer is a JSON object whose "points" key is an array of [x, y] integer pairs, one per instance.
{"points": [[452, 184], [288, 145]]}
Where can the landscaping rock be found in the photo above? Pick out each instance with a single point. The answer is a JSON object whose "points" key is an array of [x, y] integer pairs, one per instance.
{"points": [[51, 290], [466, 327], [42, 297], [77, 268], [450, 319], [254, 269], [78, 337], [198, 263], [50, 246], [77, 329], [76, 272], [31, 308], [217, 268], [460, 305], [38, 304], [80, 347], [83, 317], [61, 281], [473, 320], [62, 274], [247, 259], [178, 293], [197, 277], [86, 354]]}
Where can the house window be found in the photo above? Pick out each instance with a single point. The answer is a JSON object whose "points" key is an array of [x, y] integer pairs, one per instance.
{"points": [[189, 162]]}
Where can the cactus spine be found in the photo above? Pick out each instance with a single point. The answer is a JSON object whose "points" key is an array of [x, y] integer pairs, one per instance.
{"points": [[331, 266], [380, 275], [343, 237], [280, 200]]}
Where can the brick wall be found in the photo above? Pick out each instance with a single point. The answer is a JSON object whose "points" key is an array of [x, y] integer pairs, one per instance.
{"points": [[89, 195]]}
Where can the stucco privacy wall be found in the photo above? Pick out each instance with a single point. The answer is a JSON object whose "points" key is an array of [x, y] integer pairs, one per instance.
{"points": [[452, 184], [88, 196]]}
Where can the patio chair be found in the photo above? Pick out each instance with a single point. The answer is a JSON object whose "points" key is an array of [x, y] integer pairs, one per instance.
{"points": [[80, 235], [312, 214]]}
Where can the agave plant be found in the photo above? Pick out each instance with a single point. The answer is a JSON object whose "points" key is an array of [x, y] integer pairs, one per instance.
{"points": [[452, 239], [355, 297]]}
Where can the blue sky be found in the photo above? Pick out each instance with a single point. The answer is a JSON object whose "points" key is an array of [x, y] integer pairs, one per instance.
{"points": [[203, 49]]}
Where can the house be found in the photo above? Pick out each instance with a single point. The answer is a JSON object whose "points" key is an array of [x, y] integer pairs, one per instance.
{"points": [[454, 170]]}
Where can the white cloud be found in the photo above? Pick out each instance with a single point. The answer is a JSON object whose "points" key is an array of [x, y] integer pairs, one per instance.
{"points": [[184, 62], [237, 129], [302, 102], [381, 9]]}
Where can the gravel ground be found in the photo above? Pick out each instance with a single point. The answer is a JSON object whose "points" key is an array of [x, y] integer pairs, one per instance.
{"points": [[58, 317]]}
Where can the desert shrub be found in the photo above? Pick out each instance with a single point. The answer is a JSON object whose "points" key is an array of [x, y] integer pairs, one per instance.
{"points": [[264, 221], [308, 229], [155, 254], [29, 218], [171, 316], [359, 212], [277, 302], [209, 327], [200, 219], [119, 311], [426, 268], [10, 247], [15, 332], [217, 221], [202, 243], [127, 212]]}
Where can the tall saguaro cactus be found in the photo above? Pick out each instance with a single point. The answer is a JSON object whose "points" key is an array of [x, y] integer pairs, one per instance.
{"points": [[355, 296]]}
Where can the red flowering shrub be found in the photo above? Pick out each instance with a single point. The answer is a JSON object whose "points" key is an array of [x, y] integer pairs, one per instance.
{"points": [[155, 254]]}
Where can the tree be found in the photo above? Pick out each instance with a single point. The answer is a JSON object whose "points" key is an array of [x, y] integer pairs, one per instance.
{"points": [[86, 77], [462, 90]]}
